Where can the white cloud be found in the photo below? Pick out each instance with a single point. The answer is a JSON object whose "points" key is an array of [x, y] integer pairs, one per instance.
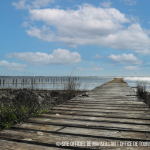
{"points": [[98, 56], [96, 69], [25, 24], [129, 2], [78, 27], [125, 58], [57, 6], [133, 38], [91, 69], [106, 3], [12, 66], [134, 18], [20, 4], [41, 3], [90, 25], [130, 68], [143, 52], [43, 34], [59, 56], [34, 4]]}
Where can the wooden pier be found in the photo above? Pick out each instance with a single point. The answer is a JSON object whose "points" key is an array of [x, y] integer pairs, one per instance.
{"points": [[111, 115]]}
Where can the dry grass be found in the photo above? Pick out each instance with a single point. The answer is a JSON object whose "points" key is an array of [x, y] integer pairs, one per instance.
{"points": [[71, 88], [141, 90], [143, 93], [20, 104]]}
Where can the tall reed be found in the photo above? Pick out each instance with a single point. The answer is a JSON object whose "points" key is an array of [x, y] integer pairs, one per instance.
{"points": [[143, 92]]}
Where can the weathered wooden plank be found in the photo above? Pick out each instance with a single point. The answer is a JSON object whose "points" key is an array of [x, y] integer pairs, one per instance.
{"points": [[104, 110], [91, 123], [88, 118], [128, 135], [104, 107], [49, 139], [111, 112], [10, 145]]}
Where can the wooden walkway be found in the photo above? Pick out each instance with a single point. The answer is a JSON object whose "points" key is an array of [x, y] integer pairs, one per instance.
{"points": [[111, 115]]}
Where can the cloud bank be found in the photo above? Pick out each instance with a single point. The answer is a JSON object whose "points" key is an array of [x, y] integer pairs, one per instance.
{"points": [[130, 68], [12, 66], [106, 3], [98, 56], [129, 2], [125, 58], [59, 56], [36, 4], [90, 25]]}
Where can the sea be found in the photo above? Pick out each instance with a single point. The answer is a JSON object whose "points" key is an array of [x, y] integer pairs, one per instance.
{"points": [[60, 82]]}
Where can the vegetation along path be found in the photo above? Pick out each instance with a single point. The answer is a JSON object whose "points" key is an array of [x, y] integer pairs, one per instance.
{"points": [[109, 117]]}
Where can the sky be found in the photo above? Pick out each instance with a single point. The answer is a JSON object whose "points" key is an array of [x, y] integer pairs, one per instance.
{"points": [[82, 37]]}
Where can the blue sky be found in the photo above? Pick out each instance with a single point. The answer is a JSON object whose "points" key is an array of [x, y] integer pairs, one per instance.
{"points": [[90, 38]]}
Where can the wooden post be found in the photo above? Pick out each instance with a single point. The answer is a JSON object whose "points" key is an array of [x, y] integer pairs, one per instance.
{"points": [[3, 82]]}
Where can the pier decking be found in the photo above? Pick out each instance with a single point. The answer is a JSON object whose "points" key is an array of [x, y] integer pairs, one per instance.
{"points": [[111, 114]]}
